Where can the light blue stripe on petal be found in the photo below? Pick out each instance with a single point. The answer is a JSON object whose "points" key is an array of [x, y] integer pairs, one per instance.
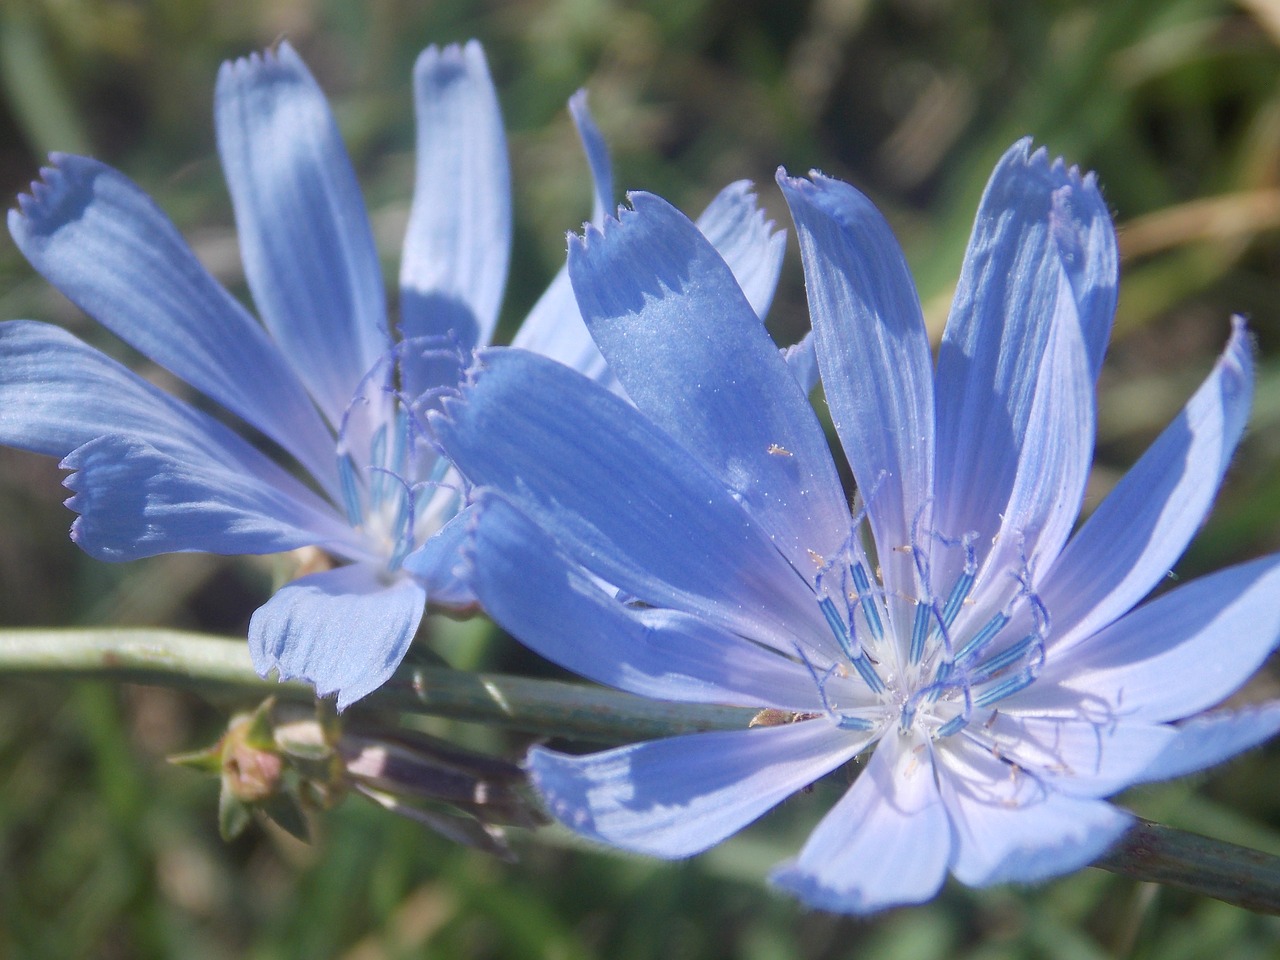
{"points": [[691, 353], [1010, 829], [344, 631], [1130, 542], [102, 242], [1052, 468], [677, 797], [623, 498], [1077, 755], [304, 234], [57, 393], [877, 370], [1039, 224], [1211, 738], [459, 236], [736, 226], [886, 843], [135, 501], [552, 606], [1182, 653]]}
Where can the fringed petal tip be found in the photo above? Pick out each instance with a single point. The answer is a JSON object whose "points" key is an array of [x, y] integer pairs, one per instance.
{"points": [[52, 199], [454, 60], [279, 59]]}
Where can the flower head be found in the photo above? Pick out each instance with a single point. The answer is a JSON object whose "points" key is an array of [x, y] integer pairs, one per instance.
{"points": [[699, 547], [338, 389]]}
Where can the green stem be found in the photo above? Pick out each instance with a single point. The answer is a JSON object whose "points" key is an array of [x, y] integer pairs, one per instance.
{"points": [[1238, 875], [216, 665]]}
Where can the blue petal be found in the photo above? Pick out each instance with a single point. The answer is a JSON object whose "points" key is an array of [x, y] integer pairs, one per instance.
{"points": [[57, 394], [440, 566], [690, 352], [877, 370], [677, 797], [135, 501], [102, 242], [802, 360], [459, 237], [1077, 755], [540, 597], [554, 327], [1011, 828], [597, 151], [1052, 469], [886, 843], [1211, 738], [624, 499], [1138, 532], [1171, 658], [1043, 235], [737, 228], [304, 234], [344, 631]]}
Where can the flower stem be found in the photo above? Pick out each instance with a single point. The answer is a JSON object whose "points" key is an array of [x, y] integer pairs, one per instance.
{"points": [[1149, 851]]}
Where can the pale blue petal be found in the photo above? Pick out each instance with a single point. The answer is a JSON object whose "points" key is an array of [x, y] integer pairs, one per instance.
{"points": [[1011, 827], [554, 327], [877, 370], [1211, 738], [736, 226], [692, 355], [439, 564], [886, 843], [1181, 653], [343, 631], [1052, 469], [597, 151], [547, 602], [57, 393], [1138, 532], [1076, 755], [802, 359], [1043, 234], [677, 797], [103, 243], [458, 242], [624, 499], [135, 501], [304, 234]]}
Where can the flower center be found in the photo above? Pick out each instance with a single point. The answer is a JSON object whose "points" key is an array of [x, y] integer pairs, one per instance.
{"points": [[958, 652], [395, 483]]}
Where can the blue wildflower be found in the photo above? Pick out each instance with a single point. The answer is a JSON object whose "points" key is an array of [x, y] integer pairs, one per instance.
{"points": [[322, 378], [698, 547]]}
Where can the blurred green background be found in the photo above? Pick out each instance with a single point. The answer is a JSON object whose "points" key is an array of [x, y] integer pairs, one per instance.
{"points": [[107, 851]]}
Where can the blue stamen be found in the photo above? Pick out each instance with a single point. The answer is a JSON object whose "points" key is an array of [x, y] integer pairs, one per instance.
{"points": [[350, 489], [959, 593], [855, 723], [919, 632], [868, 673], [377, 459], [954, 725], [983, 636], [989, 668], [1005, 688], [863, 585], [838, 627], [855, 655]]}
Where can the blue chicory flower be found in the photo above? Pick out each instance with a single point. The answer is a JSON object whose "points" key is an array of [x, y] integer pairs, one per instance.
{"points": [[698, 547], [322, 378]]}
